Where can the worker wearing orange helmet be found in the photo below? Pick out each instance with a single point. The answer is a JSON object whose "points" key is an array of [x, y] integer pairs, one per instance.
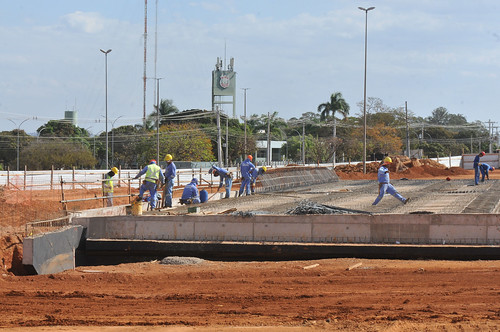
{"points": [[476, 165], [246, 169], [384, 184], [485, 169]]}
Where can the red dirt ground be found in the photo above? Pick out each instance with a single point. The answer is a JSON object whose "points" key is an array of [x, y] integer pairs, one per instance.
{"points": [[379, 295]]}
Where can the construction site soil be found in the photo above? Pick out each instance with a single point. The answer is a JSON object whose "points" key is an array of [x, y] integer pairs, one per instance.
{"points": [[346, 294]]}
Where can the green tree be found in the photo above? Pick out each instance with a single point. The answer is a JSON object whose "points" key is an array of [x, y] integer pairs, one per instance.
{"points": [[57, 152], [336, 104]]}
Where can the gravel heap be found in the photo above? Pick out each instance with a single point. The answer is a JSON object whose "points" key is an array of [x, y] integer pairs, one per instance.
{"points": [[308, 207], [176, 260]]}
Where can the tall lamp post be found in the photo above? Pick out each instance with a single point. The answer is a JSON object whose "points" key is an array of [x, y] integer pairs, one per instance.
{"points": [[366, 10], [113, 140], [106, 84], [18, 129], [245, 117], [158, 120]]}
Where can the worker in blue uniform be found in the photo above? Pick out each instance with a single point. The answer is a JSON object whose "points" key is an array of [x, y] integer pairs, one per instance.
{"points": [[170, 173], [385, 185], [255, 174], [246, 169], [190, 195], [154, 178], [226, 177], [485, 169], [476, 167]]}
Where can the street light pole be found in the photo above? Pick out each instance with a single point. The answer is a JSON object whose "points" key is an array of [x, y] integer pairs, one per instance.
{"points": [[113, 140], [245, 117], [366, 10], [158, 119], [106, 84], [18, 129]]}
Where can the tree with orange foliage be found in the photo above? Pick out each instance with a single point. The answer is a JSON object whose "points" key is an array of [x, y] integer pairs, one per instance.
{"points": [[384, 139]]}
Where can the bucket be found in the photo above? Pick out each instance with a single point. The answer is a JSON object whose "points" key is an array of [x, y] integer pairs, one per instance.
{"points": [[137, 208], [203, 196]]}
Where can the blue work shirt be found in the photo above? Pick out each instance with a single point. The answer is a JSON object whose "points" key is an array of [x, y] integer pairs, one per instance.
{"points": [[170, 172], [190, 191], [383, 174], [246, 168], [223, 173]]}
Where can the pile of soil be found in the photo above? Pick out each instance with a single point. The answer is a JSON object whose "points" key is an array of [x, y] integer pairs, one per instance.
{"points": [[402, 166]]}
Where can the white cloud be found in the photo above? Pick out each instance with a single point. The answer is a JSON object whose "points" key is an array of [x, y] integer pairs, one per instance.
{"points": [[86, 22]]}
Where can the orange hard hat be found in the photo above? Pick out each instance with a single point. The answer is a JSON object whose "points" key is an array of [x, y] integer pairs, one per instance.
{"points": [[250, 157]]}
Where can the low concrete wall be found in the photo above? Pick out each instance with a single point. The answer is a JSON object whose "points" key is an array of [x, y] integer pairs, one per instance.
{"points": [[52, 252], [411, 229]]}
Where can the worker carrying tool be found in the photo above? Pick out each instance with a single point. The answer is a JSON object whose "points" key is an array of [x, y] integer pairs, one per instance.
{"points": [[384, 184], [154, 178], [107, 186], [190, 195], [170, 173], [246, 169], [255, 174], [476, 165], [485, 169], [226, 177]]}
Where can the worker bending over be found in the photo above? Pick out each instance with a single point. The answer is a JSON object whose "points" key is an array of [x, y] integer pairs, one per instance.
{"points": [[255, 174], [225, 177], [153, 180], [485, 169], [384, 184], [190, 195]]}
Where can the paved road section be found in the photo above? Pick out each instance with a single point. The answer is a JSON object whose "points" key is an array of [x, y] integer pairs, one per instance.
{"points": [[427, 196]]}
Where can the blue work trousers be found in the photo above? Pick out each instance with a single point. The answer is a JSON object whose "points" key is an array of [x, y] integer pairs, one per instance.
{"points": [[476, 175], [245, 185], [169, 188], [151, 186], [388, 188]]}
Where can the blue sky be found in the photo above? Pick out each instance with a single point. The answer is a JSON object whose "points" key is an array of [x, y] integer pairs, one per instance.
{"points": [[291, 55]]}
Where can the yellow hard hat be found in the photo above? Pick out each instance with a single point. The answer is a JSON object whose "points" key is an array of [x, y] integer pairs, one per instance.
{"points": [[114, 170], [264, 168], [168, 157], [387, 160]]}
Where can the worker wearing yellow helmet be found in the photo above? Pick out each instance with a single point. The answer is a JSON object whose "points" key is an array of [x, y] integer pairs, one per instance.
{"points": [[107, 186], [384, 184], [170, 174], [255, 174]]}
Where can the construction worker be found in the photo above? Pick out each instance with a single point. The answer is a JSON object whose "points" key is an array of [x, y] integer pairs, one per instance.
{"points": [[384, 184], [225, 177], [154, 178], [476, 165], [170, 173], [255, 174], [190, 195], [485, 168], [246, 169], [107, 185]]}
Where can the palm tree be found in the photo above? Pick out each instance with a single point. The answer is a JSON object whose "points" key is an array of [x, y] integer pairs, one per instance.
{"points": [[337, 104]]}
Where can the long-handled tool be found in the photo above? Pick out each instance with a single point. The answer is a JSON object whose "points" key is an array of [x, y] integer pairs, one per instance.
{"points": [[214, 194]]}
